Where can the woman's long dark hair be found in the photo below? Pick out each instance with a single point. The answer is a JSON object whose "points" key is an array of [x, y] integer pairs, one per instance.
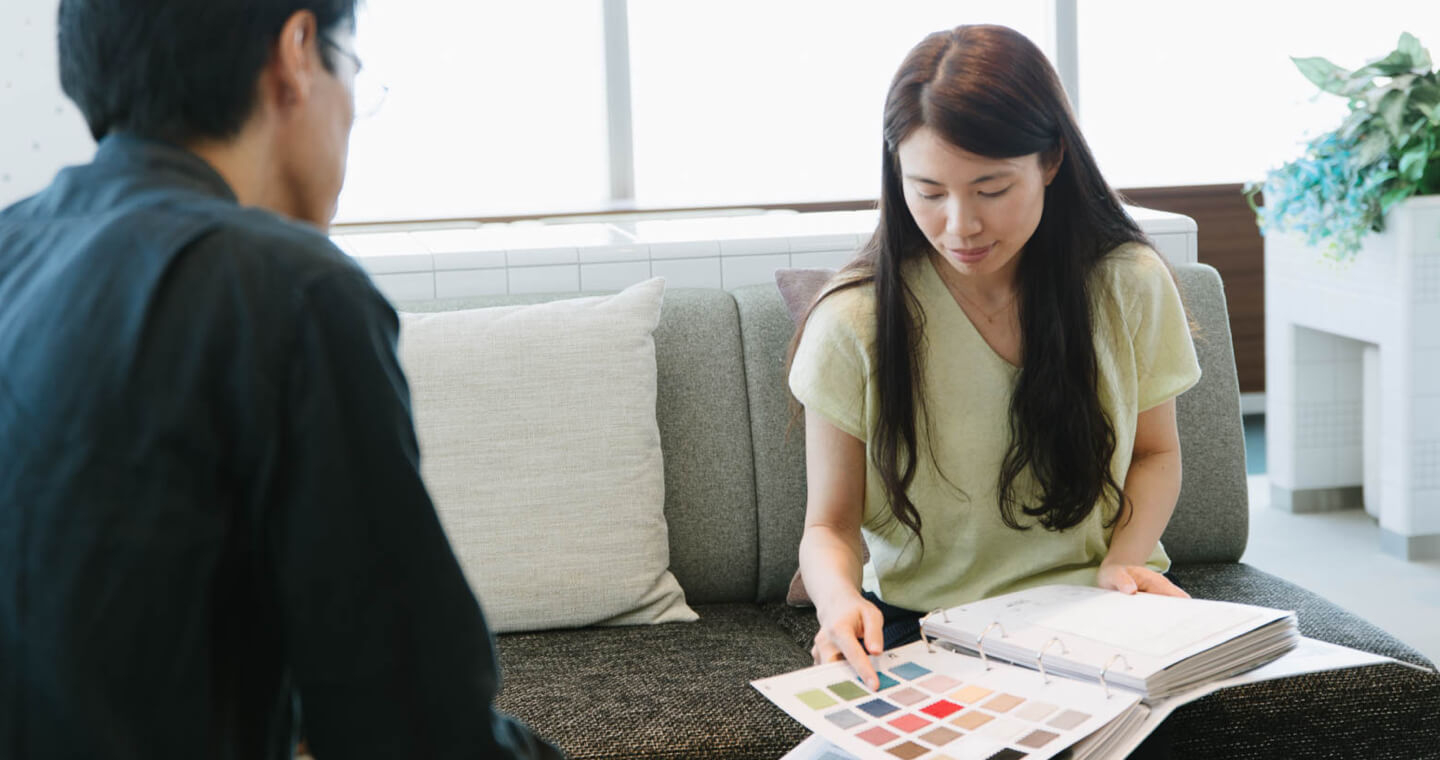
{"points": [[990, 91]]}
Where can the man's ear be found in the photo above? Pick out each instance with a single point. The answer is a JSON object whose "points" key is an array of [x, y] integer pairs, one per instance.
{"points": [[1050, 162], [292, 64]]}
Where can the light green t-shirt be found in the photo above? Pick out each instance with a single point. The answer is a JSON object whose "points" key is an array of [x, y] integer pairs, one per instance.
{"points": [[1145, 357]]}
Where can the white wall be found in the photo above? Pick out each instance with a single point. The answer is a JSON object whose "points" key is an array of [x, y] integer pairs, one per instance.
{"points": [[41, 131]]}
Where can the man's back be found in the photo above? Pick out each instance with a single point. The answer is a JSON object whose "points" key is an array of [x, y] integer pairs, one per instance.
{"points": [[209, 489]]}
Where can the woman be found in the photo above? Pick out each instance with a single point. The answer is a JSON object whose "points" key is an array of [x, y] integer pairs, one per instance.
{"points": [[989, 388]]}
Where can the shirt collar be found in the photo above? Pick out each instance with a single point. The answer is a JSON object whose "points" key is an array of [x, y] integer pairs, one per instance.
{"points": [[167, 159]]}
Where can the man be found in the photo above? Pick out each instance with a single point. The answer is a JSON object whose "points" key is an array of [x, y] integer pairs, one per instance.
{"points": [[211, 512]]}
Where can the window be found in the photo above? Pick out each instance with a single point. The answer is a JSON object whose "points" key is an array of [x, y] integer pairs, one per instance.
{"points": [[1205, 93], [500, 108]]}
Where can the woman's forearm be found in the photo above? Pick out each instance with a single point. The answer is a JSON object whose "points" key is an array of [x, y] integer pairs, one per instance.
{"points": [[1152, 487]]}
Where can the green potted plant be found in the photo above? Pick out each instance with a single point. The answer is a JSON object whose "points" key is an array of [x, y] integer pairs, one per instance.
{"points": [[1386, 150]]}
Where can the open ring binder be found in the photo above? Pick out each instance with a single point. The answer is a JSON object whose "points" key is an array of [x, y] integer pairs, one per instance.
{"points": [[1106, 669], [980, 641], [1040, 658], [929, 647]]}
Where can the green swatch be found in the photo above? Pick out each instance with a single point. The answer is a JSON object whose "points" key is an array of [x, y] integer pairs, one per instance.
{"points": [[816, 699], [847, 690]]}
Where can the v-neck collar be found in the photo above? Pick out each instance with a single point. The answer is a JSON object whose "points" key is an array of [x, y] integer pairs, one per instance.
{"points": [[948, 308]]}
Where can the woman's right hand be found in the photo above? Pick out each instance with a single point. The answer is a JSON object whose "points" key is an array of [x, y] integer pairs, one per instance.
{"points": [[850, 629]]}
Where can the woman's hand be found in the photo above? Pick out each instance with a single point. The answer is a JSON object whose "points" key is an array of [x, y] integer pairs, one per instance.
{"points": [[844, 625], [1127, 579]]}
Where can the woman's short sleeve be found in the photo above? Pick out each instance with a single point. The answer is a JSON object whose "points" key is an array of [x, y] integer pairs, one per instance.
{"points": [[830, 373], [1160, 332]]}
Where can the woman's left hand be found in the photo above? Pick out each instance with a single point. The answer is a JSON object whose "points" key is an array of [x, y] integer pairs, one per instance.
{"points": [[1127, 579]]}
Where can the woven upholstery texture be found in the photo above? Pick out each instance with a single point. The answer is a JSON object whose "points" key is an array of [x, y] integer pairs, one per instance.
{"points": [[673, 691], [1211, 520], [765, 330]]}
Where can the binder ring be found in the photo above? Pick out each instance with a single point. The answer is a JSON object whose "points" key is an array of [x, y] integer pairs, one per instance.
{"points": [[1040, 658], [1106, 669], [929, 647], [980, 641]]}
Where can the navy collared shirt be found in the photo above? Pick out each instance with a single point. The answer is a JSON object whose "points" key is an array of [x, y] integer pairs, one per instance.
{"points": [[211, 511]]}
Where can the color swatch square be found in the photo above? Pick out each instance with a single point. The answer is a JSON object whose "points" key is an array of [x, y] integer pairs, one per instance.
{"points": [[845, 718], [847, 690], [1006, 754], [907, 751], [908, 696], [815, 699], [971, 694], [1004, 729], [1003, 703], [877, 735], [1037, 739], [1068, 720], [909, 671], [1035, 711], [938, 683], [885, 681], [972, 720], [941, 708], [909, 723], [877, 707], [940, 736]]}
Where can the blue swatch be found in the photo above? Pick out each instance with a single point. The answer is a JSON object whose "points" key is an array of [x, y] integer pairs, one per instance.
{"points": [[909, 671], [885, 681], [878, 707]]}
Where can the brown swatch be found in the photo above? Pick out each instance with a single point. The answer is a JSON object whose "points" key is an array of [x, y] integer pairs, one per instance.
{"points": [[971, 720], [907, 751], [1003, 703], [1037, 739]]}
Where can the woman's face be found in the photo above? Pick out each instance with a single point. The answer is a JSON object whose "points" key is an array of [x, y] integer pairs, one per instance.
{"points": [[977, 212]]}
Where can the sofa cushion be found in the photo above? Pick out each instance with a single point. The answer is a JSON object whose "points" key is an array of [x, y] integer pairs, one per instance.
{"points": [[541, 451], [669, 691], [704, 417]]}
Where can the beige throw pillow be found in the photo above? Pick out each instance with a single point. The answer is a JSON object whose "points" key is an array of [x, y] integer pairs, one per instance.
{"points": [[540, 449]]}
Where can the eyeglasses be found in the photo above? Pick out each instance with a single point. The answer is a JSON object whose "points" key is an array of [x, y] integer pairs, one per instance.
{"points": [[369, 92]]}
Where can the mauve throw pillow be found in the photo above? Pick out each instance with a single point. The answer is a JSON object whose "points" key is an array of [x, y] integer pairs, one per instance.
{"points": [[799, 288]]}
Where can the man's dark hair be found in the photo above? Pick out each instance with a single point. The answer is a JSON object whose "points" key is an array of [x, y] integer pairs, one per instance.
{"points": [[175, 70]]}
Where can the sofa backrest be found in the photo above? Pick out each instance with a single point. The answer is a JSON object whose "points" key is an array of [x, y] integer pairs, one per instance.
{"points": [[1211, 518], [735, 455]]}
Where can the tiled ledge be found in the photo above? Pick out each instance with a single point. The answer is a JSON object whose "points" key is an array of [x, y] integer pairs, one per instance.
{"points": [[716, 251]]}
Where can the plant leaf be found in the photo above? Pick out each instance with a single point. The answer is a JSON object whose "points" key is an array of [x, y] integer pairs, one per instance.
{"points": [[1398, 62], [1412, 163], [1392, 109], [1323, 74], [1410, 46], [1371, 148], [1425, 96], [1394, 195]]}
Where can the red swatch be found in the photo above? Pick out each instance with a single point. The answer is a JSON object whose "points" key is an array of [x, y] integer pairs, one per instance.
{"points": [[876, 735], [942, 708]]}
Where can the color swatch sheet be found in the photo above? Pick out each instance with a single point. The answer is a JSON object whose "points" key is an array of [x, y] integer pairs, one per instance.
{"points": [[943, 705]]}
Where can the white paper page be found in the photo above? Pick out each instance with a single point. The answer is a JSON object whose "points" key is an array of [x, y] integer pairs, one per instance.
{"points": [[1309, 656]]}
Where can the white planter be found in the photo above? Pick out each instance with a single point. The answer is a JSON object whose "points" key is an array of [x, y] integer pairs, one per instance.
{"points": [[1352, 386]]}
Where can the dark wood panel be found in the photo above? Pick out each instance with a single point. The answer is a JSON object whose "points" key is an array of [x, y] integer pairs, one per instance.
{"points": [[1230, 242]]}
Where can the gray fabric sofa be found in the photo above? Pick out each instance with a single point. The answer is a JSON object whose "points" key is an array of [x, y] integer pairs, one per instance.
{"points": [[735, 500]]}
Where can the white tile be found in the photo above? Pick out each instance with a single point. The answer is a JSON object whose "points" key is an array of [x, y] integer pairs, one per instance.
{"points": [[469, 260], [561, 279], [613, 253], [752, 270], [412, 286], [821, 259], [1425, 326], [844, 241], [541, 257], [753, 246], [397, 262], [1313, 345], [1314, 382], [1348, 376], [1349, 465], [617, 276], [688, 273], [1425, 511], [684, 249], [470, 282], [1425, 370]]}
